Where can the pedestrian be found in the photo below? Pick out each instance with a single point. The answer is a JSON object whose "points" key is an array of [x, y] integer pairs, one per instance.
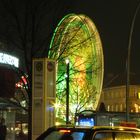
{"points": [[3, 129]]}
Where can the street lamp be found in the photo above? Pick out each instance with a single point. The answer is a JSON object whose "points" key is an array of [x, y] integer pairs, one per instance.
{"points": [[67, 91], [128, 62]]}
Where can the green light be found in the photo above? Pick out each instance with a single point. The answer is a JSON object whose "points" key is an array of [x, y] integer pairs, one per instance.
{"points": [[77, 38]]}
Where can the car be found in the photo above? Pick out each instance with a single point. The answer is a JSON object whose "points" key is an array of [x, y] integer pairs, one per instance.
{"points": [[67, 132]]}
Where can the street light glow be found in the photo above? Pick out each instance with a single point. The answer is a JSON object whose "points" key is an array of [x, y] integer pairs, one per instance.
{"points": [[67, 61]]}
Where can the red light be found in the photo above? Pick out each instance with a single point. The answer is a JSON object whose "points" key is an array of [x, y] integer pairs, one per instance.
{"points": [[128, 124], [24, 80], [64, 131]]}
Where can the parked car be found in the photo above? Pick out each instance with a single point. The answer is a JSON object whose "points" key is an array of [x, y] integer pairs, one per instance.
{"points": [[90, 133]]}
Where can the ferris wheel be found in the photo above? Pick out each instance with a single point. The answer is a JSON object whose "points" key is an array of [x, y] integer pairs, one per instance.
{"points": [[76, 38]]}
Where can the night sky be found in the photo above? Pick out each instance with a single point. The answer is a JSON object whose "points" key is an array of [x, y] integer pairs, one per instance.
{"points": [[113, 21]]}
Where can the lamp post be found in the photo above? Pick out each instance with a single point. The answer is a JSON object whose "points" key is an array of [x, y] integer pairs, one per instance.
{"points": [[67, 91], [128, 62]]}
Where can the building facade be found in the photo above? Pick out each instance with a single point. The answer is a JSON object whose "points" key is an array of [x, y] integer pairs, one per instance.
{"points": [[114, 98]]}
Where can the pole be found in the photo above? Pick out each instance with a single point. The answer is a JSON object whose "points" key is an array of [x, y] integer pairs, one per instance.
{"points": [[67, 93], [128, 62]]}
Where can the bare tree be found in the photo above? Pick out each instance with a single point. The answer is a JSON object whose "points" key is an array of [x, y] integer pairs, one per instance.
{"points": [[26, 28], [71, 42], [82, 93]]}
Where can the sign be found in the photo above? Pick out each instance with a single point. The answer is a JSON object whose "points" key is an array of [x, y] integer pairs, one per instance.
{"points": [[128, 124], [9, 59], [43, 95]]}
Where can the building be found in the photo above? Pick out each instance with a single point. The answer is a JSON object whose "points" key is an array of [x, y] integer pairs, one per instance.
{"points": [[12, 96], [114, 98], [114, 93]]}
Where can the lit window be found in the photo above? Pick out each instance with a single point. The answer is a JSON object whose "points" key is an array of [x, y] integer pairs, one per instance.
{"points": [[138, 94]]}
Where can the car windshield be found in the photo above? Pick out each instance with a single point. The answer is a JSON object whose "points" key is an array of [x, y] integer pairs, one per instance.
{"points": [[59, 135], [117, 136]]}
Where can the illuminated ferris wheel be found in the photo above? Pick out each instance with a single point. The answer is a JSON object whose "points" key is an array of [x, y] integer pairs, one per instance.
{"points": [[76, 38]]}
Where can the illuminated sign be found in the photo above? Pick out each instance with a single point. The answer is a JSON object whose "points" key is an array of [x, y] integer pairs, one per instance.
{"points": [[128, 124], [9, 59], [86, 121]]}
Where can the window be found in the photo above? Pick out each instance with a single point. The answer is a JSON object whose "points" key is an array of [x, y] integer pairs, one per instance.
{"points": [[112, 108], [138, 95], [103, 136], [121, 107], [117, 107], [108, 107], [116, 136], [124, 136], [56, 135]]}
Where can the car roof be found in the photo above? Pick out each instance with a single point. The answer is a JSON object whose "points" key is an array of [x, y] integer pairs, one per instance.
{"points": [[89, 129], [117, 128], [98, 128]]}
